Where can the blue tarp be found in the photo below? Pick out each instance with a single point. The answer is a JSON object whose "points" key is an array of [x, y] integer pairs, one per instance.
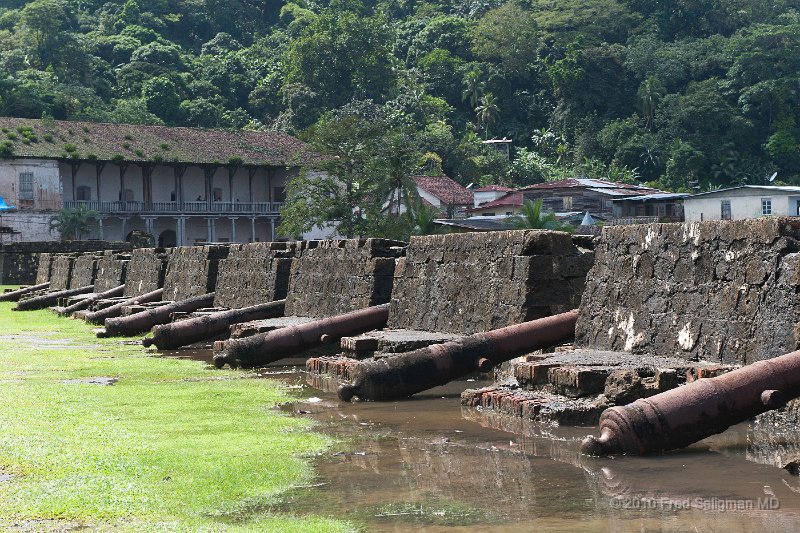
{"points": [[4, 206]]}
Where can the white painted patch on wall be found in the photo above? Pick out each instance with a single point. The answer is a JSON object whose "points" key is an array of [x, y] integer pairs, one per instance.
{"points": [[632, 339], [685, 337]]}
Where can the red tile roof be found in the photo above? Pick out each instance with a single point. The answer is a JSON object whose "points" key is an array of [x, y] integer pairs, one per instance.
{"points": [[445, 189], [490, 188], [512, 199]]}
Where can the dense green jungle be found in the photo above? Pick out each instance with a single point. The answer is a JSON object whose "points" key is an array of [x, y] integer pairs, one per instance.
{"points": [[682, 94]]}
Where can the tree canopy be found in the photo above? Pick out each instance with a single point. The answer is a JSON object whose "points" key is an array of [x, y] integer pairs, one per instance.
{"points": [[678, 93]]}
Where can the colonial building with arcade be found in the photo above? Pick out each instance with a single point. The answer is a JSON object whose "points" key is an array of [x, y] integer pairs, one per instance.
{"points": [[181, 185]]}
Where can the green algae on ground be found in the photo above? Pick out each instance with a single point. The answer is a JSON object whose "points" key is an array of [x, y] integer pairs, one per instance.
{"points": [[171, 444]]}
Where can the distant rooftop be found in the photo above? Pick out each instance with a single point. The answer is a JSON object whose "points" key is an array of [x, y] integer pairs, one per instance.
{"points": [[512, 199], [88, 141], [611, 188], [775, 188], [445, 189], [491, 188]]}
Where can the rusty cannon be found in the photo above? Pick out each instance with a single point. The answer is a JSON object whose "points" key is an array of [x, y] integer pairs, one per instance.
{"points": [[113, 311], [265, 348], [390, 378], [14, 296], [141, 322], [89, 300], [51, 298], [682, 416], [196, 329]]}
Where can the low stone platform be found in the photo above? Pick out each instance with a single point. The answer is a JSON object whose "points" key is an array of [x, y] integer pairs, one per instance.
{"points": [[392, 341], [246, 329], [574, 387]]}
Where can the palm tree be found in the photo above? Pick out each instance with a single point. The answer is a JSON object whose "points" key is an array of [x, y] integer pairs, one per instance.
{"points": [[473, 88], [422, 218], [73, 222], [532, 217], [649, 95], [487, 111]]}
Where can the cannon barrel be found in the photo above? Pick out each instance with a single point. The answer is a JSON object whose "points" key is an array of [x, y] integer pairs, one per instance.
{"points": [[264, 348], [51, 298], [86, 302], [113, 311], [141, 322], [14, 296], [183, 332], [679, 417], [405, 374]]}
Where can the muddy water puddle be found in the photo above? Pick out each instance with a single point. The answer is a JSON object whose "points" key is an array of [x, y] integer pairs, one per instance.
{"points": [[425, 464]]}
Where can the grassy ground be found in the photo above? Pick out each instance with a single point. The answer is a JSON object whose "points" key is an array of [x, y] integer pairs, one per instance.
{"points": [[172, 445]]}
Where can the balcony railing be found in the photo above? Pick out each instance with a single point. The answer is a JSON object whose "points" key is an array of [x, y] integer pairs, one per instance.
{"points": [[219, 208]]}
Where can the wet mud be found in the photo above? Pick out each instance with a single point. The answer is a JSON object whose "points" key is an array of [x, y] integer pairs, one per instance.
{"points": [[424, 464]]}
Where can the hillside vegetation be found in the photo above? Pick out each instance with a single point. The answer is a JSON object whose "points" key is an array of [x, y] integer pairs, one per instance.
{"points": [[680, 93]]}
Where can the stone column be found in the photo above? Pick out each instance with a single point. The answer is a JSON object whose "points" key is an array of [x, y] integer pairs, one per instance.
{"points": [[272, 229], [100, 223], [253, 228], [233, 228]]}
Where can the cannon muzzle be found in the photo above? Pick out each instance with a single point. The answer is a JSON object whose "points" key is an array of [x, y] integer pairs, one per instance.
{"points": [[265, 348], [406, 374], [191, 330], [679, 417], [143, 321]]}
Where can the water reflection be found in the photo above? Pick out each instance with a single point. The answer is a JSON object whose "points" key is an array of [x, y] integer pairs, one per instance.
{"points": [[425, 464]]}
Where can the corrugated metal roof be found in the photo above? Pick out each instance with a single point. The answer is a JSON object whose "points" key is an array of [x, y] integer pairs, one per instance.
{"points": [[774, 188], [657, 196], [445, 189]]}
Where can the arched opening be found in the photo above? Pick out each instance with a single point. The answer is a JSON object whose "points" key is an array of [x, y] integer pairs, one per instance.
{"points": [[167, 239]]}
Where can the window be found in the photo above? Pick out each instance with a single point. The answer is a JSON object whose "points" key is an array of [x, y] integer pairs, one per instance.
{"points": [[766, 206], [126, 195], [84, 193], [26, 186], [279, 194], [217, 194], [726, 209], [567, 202]]}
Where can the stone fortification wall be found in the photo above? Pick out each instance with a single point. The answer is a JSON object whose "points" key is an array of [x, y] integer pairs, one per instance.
{"points": [[145, 271], [332, 277], [254, 273], [61, 271], [471, 282], [19, 262], [44, 267], [192, 271], [111, 269], [719, 291], [84, 271]]}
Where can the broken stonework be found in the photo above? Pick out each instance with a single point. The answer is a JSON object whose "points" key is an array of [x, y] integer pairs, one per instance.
{"points": [[254, 273], [111, 268], [574, 387], [338, 276], [472, 282], [145, 271], [84, 270], [721, 291], [192, 271]]}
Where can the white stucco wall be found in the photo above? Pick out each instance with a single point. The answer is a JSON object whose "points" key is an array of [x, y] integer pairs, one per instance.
{"points": [[46, 183], [744, 204], [31, 227]]}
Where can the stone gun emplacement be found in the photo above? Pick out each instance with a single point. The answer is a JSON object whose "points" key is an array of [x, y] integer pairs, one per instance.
{"points": [[682, 416]]}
